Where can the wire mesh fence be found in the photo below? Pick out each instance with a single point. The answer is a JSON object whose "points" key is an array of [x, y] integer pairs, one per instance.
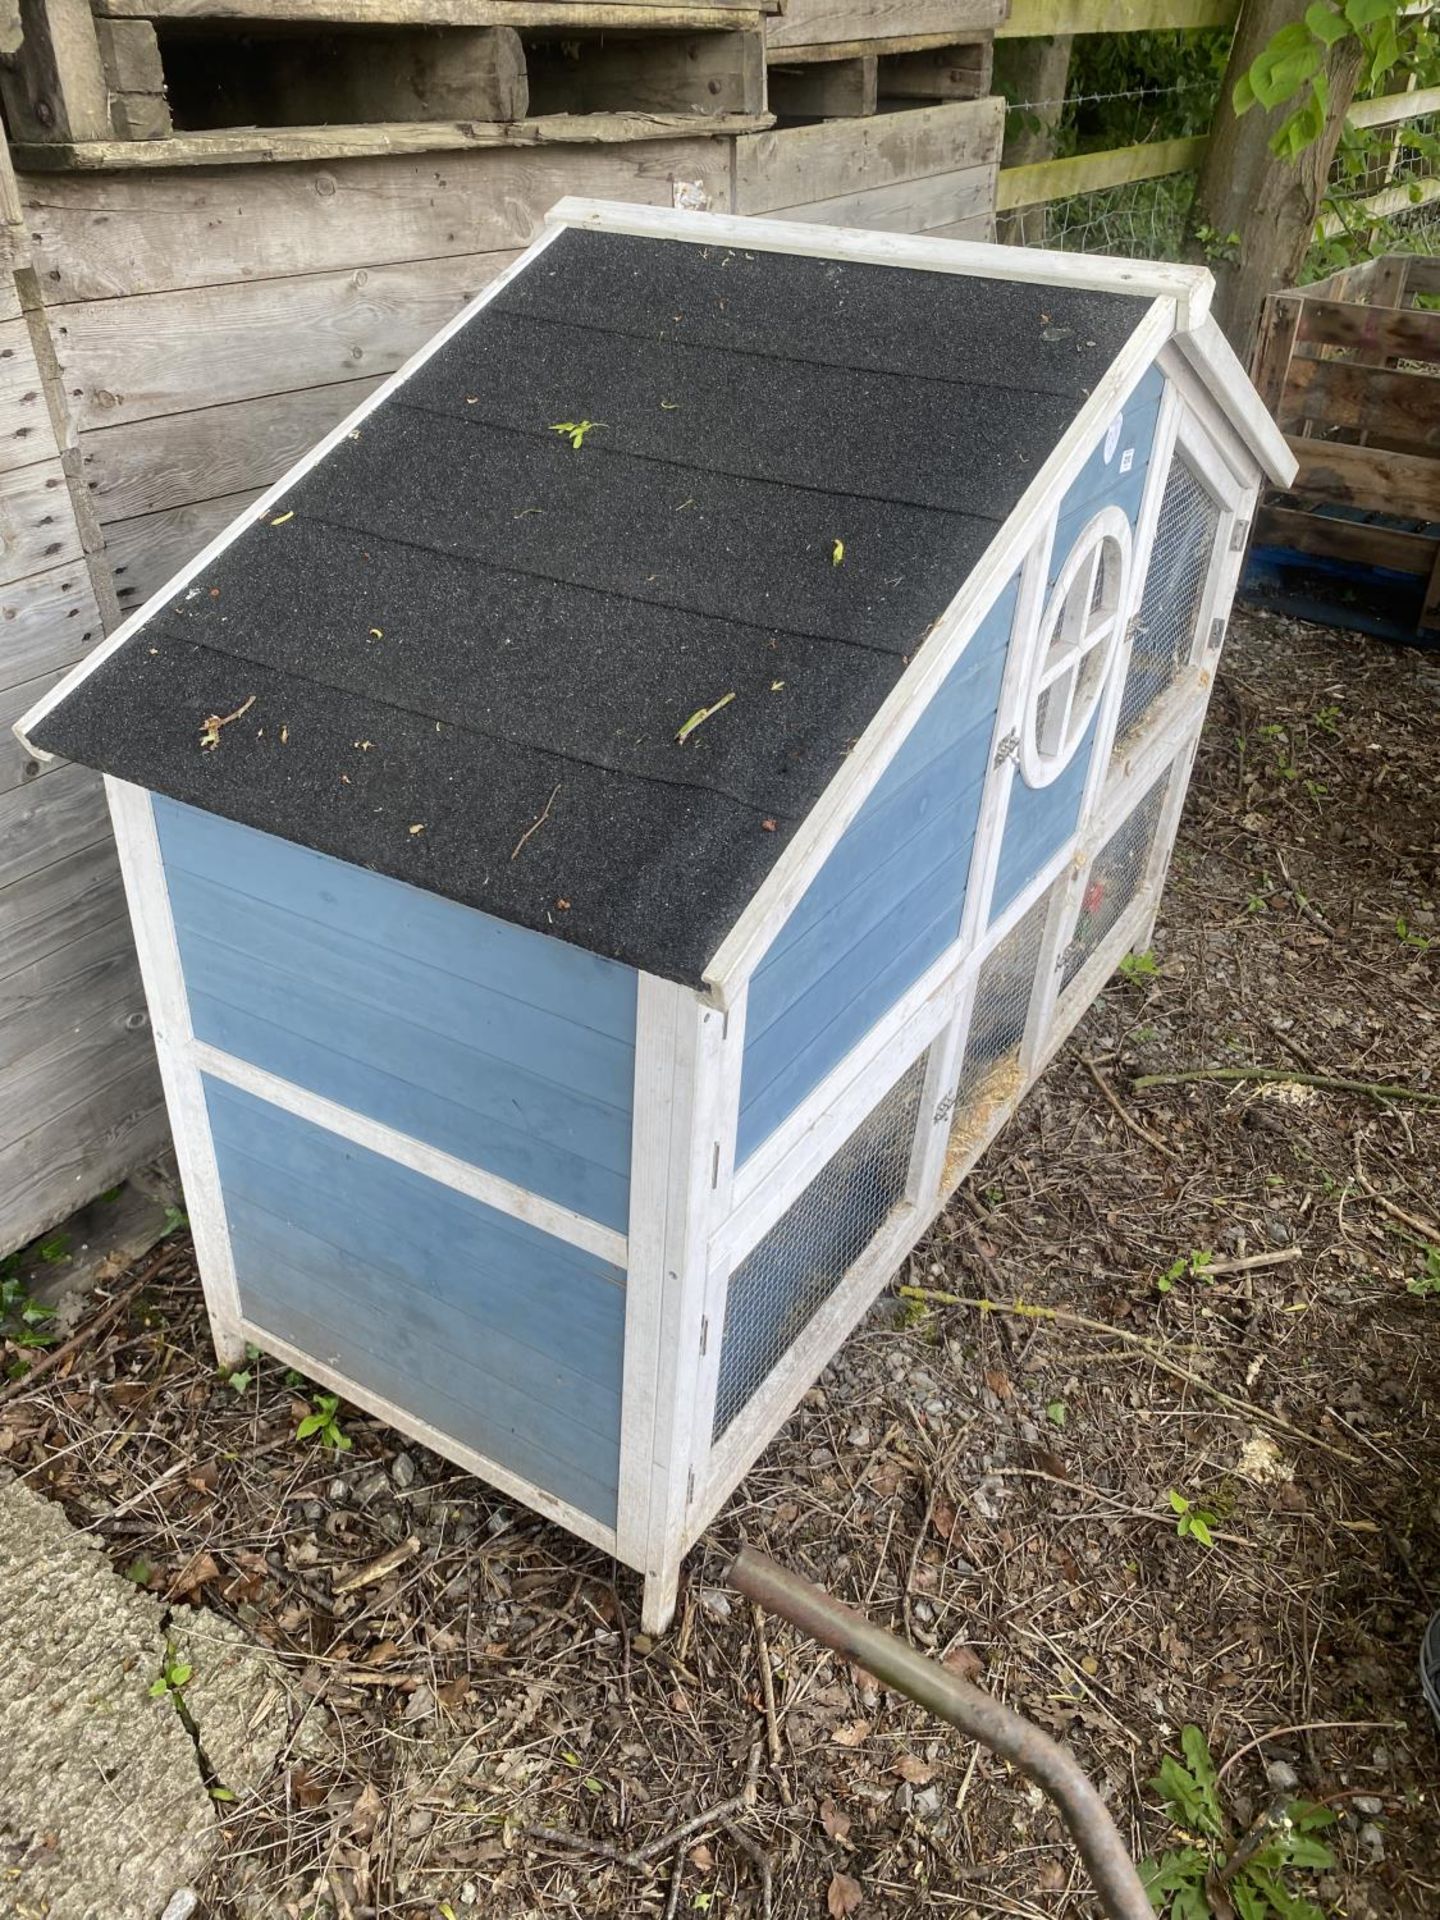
{"points": [[1383, 194]]}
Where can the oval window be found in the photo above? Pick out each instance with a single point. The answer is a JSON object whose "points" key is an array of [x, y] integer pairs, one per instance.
{"points": [[1079, 634]]}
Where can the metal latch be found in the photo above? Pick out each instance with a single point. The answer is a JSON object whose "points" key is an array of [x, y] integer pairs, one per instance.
{"points": [[1217, 634], [1007, 749]]}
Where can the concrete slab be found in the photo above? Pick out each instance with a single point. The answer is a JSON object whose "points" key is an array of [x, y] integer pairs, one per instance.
{"points": [[106, 1809]]}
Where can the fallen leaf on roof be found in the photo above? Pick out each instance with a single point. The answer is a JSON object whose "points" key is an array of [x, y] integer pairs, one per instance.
{"points": [[562, 906], [576, 430], [768, 826], [472, 399], [419, 827], [285, 735], [837, 553], [698, 718], [281, 518], [377, 633], [670, 406], [210, 732], [776, 685]]}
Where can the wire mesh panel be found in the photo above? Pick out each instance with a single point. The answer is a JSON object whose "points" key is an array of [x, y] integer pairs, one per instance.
{"points": [[999, 1015], [1164, 630], [789, 1275], [1116, 876]]}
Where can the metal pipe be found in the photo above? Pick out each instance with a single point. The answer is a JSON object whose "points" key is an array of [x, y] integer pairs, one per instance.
{"points": [[897, 1665]]}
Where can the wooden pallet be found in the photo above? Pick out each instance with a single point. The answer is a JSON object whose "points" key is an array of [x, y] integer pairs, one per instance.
{"points": [[174, 82], [1349, 368]]}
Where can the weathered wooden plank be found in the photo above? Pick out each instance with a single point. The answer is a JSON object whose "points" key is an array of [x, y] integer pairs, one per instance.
{"points": [[37, 524], [1384, 205], [140, 116], [41, 1002], [1356, 540], [69, 900], [26, 432], [832, 90], [42, 824], [1028, 18], [1279, 323], [55, 90], [422, 13], [174, 459], [1424, 275], [936, 202], [696, 73], [1047, 180], [18, 766], [237, 146], [1400, 483], [1391, 108], [130, 55], [96, 239], [1396, 409], [818, 22], [146, 551], [1406, 335], [827, 50], [89, 1136], [48, 621], [837, 158], [150, 354], [399, 74], [960, 72]]}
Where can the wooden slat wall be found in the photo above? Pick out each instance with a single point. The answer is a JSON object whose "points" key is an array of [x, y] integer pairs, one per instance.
{"points": [[79, 1095]]}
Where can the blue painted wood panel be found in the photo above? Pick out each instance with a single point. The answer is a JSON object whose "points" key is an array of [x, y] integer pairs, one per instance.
{"points": [[514, 1052], [504, 1337], [886, 903], [1039, 820]]}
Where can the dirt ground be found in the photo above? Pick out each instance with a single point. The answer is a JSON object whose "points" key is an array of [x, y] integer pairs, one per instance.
{"points": [[480, 1730]]}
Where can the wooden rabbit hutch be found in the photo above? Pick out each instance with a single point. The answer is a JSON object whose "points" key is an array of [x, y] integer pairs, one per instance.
{"points": [[1350, 369], [231, 220], [614, 831]]}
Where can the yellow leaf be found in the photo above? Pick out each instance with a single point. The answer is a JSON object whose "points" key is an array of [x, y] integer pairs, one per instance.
{"points": [[377, 633], [419, 827], [837, 553], [280, 519], [700, 716]]}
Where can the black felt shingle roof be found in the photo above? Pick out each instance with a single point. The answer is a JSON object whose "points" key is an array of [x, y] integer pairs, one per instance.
{"points": [[463, 618]]}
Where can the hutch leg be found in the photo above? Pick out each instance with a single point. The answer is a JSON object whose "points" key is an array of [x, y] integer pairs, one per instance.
{"points": [[657, 1604]]}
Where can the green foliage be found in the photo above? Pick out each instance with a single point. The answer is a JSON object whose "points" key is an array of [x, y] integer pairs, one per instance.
{"points": [[1176, 1881], [1426, 1285], [1129, 87], [23, 1321], [322, 1423], [1290, 70], [1194, 1265], [1193, 1522], [176, 1218], [1407, 935], [576, 430], [1137, 968], [175, 1676]]}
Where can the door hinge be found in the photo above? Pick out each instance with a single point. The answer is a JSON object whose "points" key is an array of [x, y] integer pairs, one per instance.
{"points": [[704, 1332], [1239, 534], [1007, 749], [1217, 634], [690, 1488]]}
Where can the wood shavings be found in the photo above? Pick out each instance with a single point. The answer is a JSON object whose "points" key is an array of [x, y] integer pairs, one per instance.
{"points": [[210, 732]]}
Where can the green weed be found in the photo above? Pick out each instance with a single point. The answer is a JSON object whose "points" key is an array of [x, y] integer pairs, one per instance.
{"points": [[1137, 968], [322, 1423]]}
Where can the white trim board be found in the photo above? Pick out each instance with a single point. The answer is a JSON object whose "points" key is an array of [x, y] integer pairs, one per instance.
{"points": [[519, 1203], [131, 624], [142, 870]]}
